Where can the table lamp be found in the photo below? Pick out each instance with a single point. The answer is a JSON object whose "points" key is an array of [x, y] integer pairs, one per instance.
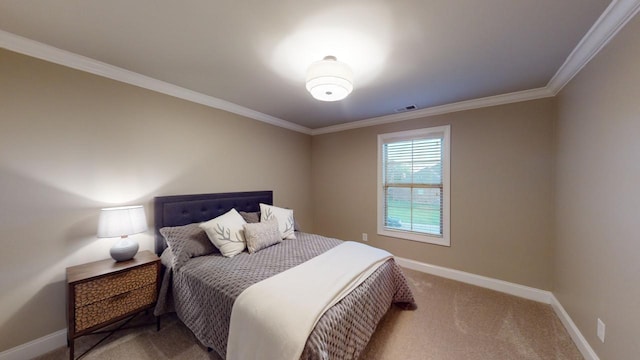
{"points": [[122, 222]]}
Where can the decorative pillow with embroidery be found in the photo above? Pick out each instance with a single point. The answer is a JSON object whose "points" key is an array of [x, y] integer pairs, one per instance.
{"points": [[284, 217], [226, 232], [261, 235]]}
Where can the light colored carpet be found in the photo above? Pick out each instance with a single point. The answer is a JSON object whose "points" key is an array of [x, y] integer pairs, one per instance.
{"points": [[454, 321], [460, 321]]}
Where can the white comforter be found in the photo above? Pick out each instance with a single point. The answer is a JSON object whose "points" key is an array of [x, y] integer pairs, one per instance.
{"points": [[272, 319]]}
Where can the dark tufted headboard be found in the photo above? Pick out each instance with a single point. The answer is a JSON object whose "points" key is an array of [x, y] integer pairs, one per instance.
{"points": [[178, 210]]}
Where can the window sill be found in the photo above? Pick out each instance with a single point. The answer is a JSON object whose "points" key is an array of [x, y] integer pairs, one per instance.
{"points": [[423, 238]]}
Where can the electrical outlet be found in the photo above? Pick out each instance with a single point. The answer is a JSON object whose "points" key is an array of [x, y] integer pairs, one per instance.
{"points": [[601, 329], [365, 237]]}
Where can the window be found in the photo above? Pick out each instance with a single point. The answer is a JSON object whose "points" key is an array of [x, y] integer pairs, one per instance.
{"points": [[413, 185]]}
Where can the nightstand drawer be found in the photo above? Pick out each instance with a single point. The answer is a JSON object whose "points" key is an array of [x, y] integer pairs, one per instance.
{"points": [[107, 309], [107, 287]]}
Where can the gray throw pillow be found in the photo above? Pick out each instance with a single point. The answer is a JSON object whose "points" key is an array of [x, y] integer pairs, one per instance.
{"points": [[261, 235], [186, 242], [251, 217], [254, 217]]}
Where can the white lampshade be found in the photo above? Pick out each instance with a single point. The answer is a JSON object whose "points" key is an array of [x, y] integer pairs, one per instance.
{"points": [[122, 222], [329, 79]]}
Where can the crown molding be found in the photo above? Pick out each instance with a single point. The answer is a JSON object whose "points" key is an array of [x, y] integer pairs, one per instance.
{"points": [[612, 20], [55, 55], [616, 15], [513, 97]]}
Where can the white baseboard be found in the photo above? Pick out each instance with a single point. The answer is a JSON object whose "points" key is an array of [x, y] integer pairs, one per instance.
{"points": [[36, 347], [573, 331], [522, 291]]}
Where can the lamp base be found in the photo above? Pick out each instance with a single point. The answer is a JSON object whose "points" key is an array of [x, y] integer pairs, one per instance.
{"points": [[125, 249]]}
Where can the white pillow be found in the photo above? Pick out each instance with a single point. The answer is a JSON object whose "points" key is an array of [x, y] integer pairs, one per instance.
{"points": [[226, 232], [284, 217]]}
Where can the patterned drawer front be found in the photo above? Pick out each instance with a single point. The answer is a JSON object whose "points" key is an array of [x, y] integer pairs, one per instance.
{"points": [[112, 285], [108, 309]]}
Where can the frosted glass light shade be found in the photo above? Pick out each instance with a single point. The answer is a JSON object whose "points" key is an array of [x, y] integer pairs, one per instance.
{"points": [[329, 79], [122, 222]]}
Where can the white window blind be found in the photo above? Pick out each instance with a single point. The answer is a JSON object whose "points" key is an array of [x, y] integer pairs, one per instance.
{"points": [[413, 197]]}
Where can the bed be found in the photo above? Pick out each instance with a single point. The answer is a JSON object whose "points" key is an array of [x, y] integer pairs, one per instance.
{"points": [[202, 290]]}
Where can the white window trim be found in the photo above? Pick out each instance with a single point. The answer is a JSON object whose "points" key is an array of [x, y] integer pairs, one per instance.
{"points": [[445, 239]]}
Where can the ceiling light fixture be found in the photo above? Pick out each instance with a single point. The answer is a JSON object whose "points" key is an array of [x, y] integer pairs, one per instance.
{"points": [[329, 79]]}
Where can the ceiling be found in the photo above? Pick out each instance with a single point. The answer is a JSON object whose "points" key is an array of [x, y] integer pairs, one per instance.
{"points": [[252, 55]]}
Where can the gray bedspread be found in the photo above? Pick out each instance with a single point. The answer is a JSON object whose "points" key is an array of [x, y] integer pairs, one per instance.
{"points": [[202, 293]]}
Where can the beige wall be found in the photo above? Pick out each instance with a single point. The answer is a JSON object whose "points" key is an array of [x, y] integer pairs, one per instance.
{"points": [[501, 191], [598, 197], [71, 143]]}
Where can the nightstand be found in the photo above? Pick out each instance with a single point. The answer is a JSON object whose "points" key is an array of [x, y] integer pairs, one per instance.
{"points": [[104, 292]]}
